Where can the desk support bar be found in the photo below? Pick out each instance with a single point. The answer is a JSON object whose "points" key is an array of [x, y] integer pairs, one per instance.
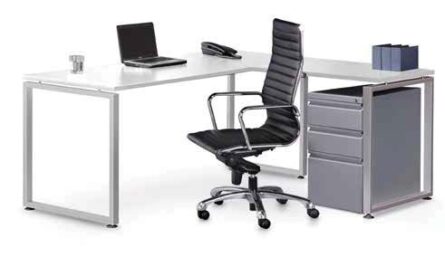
{"points": [[113, 218], [428, 98], [304, 83], [428, 135], [231, 101]]}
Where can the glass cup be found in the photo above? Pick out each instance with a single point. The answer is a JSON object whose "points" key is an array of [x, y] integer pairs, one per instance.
{"points": [[77, 63]]}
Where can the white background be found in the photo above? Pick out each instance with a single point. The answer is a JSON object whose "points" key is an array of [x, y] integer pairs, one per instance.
{"points": [[163, 175]]}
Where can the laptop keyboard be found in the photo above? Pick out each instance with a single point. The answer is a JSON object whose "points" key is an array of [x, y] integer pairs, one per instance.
{"points": [[154, 59]]}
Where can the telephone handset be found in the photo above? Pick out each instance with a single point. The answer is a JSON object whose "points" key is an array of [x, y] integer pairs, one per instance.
{"points": [[210, 48]]}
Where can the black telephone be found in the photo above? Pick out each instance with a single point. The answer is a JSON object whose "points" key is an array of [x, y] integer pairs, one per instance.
{"points": [[219, 50]]}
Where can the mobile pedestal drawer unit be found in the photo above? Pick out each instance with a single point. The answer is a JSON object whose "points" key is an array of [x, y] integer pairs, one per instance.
{"points": [[335, 140]]}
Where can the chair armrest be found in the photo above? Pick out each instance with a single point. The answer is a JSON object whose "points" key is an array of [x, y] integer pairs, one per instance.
{"points": [[236, 93], [260, 107]]}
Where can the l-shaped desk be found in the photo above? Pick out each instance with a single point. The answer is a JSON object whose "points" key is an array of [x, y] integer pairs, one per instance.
{"points": [[107, 81]]}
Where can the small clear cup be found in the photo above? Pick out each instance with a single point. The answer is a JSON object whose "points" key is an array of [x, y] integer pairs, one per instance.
{"points": [[77, 63]]}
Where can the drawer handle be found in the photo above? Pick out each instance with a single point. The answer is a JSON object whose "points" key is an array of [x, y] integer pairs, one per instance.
{"points": [[335, 131], [314, 132], [335, 161], [335, 107]]}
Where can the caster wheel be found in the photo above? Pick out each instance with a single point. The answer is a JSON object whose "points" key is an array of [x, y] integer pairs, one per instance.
{"points": [[368, 216], [300, 177], [29, 209], [219, 202], [111, 226], [264, 223], [204, 215], [282, 201], [252, 207], [427, 198], [313, 213]]}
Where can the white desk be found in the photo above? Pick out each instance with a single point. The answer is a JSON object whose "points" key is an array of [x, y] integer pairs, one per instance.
{"points": [[117, 77], [107, 81]]}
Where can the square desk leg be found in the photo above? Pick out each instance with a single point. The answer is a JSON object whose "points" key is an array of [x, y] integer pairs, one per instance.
{"points": [[113, 218], [302, 171], [303, 121], [231, 101], [428, 102]]}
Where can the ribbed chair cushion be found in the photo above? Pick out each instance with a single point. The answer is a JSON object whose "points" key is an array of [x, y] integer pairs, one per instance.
{"points": [[282, 75]]}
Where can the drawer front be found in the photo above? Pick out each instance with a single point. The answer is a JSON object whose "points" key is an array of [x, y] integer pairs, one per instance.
{"points": [[332, 143], [336, 184], [336, 117]]}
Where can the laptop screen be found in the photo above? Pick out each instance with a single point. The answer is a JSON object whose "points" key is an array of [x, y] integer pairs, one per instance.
{"points": [[137, 41]]}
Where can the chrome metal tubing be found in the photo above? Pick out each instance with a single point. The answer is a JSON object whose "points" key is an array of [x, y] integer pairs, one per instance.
{"points": [[304, 83], [260, 211], [233, 195], [28, 200], [229, 110], [428, 102], [219, 190], [230, 114], [252, 196], [260, 107], [281, 195]]}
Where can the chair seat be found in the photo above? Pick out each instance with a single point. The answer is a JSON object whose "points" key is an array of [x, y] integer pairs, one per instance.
{"points": [[218, 140]]}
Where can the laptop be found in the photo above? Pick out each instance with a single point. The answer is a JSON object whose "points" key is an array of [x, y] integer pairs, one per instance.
{"points": [[137, 45]]}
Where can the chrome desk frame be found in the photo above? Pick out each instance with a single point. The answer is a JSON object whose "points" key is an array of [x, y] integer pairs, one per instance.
{"points": [[113, 218], [428, 103]]}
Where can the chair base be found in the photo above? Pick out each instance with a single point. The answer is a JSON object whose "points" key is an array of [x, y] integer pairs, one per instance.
{"points": [[254, 196]]}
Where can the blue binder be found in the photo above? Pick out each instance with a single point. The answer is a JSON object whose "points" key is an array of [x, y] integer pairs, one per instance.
{"points": [[386, 56], [377, 56], [395, 57], [404, 58]]}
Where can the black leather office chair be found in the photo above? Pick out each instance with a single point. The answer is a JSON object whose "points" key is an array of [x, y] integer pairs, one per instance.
{"points": [[280, 129]]}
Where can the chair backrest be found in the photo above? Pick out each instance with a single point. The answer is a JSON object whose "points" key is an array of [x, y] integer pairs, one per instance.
{"points": [[282, 78]]}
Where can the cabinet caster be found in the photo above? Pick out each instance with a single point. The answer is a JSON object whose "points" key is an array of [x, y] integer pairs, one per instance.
{"points": [[29, 209], [368, 216], [204, 215], [264, 223], [300, 177], [313, 213], [427, 198], [219, 202], [282, 201], [111, 226]]}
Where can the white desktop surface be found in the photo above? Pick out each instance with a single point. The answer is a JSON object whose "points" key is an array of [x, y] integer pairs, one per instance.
{"points": [[116, 77]]}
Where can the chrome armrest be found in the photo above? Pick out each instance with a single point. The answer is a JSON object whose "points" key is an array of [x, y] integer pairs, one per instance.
{"points": [[260, 107], [239, 93]]}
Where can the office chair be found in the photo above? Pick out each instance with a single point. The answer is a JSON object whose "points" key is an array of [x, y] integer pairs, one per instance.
{"points": [[281, 128]]}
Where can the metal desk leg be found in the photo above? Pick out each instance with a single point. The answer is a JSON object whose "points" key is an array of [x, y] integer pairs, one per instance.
{"points": [[301, 172], [113, 218], [231, 101], [426, 193], [367, 150], [303, 123], [428, 136]]}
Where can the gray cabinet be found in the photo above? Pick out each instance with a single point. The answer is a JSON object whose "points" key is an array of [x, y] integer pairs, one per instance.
{"points": [[335, 141]]}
